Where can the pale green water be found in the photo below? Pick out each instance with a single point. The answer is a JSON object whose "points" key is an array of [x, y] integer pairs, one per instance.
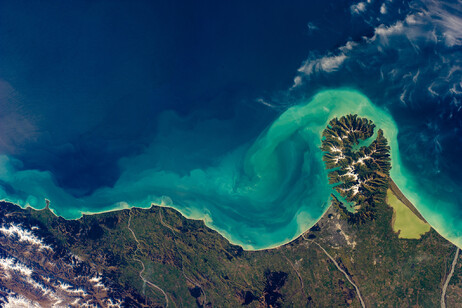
{"points": [[258, 196]]}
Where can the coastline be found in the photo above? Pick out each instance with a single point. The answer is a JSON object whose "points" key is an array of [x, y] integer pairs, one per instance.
{"points": [[370, 249], [209, 223], [313, 116], [401, 197], [206, 220], [392, 186]]}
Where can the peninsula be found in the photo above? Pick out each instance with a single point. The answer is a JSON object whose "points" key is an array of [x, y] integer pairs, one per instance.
{"points": [[358, 171]]}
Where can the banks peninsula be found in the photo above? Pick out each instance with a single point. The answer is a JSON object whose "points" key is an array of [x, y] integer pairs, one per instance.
{"points": [[359, 173]]}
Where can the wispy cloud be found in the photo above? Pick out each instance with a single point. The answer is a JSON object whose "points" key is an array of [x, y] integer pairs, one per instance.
{"points": [[448, 17], [327, 64], [358, 8]]}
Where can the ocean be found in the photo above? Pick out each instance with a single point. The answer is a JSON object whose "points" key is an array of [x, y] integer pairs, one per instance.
{"points": [[216, 109]]}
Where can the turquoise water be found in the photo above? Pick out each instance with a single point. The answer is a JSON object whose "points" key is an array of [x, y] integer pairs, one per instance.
{"points": [[259, 196]]}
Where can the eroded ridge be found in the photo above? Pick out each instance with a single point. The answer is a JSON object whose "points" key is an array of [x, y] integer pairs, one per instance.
{"points": [[359, 173]]}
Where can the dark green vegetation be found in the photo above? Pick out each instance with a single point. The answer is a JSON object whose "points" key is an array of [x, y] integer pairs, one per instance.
{"points": [[361, 175], [37, 266], [196, 266]]}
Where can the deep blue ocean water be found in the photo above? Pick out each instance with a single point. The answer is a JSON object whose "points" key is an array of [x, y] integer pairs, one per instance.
{"points": [[110, 104]]}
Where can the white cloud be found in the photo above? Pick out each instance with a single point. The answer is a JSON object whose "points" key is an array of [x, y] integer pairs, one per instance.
{"points": [[330, 64], [450, 21], [445, 18], [383, 9], [358, 8], [411, 19], [327, 64], [384, 31], [348, 46], [297, 81]]}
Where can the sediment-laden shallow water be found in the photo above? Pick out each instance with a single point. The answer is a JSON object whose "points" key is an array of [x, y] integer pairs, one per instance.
{"points": [[217, 113]]}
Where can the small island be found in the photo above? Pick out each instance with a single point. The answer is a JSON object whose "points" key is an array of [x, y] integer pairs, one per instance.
{"points": [[358, 171]]}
